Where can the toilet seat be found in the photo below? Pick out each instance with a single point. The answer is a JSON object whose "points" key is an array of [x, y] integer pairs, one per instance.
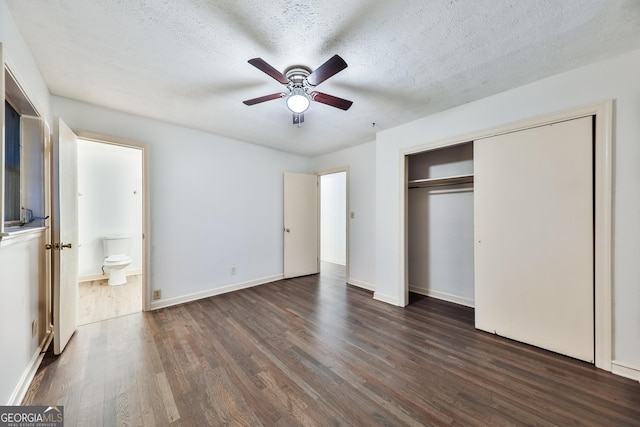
{"points": [[116, 260]]}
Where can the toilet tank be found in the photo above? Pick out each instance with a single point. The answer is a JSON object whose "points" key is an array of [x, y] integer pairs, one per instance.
{"points": [[116, 245]]}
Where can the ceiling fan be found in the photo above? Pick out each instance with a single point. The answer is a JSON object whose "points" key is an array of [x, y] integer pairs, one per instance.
{"points": [[300, 82]]}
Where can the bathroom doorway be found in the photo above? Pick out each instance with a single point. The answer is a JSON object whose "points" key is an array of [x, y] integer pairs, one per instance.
{"points": [[110, 206], [334, 224]]}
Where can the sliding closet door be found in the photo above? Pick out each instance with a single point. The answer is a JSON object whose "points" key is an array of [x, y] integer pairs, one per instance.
{"points": [[533, 218]]}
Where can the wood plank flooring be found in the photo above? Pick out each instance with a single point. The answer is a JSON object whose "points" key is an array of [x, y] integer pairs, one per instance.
{"points": [[313, 351], [98, 301]]}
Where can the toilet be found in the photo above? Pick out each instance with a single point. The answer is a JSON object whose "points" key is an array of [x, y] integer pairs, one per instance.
{"points": [[116, 258]]}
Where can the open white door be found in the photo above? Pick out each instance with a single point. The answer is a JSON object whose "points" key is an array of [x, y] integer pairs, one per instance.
{"points": [[534, 262], [300, 224], [65, 235]]}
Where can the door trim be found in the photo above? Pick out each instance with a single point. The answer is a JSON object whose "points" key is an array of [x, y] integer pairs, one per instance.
{"points": [[146, 202], [603, 183]]}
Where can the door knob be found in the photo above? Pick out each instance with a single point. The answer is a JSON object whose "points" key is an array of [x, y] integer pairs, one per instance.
{"points": [[287, 230], [48, 246]]}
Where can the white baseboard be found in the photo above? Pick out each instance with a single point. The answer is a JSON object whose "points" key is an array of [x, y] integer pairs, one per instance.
{"points": [[625, 370], [212, 292], [386, 298], [361, 284], [100, 276], [25, 381], [442, 295]]}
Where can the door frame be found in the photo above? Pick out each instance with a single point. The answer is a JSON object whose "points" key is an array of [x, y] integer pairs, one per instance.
{"points": [[603, 187], [146, 202], [347, 210]]}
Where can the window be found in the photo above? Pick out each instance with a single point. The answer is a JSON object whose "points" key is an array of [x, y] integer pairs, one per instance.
{"points": [[22, 150], [11, 166]]}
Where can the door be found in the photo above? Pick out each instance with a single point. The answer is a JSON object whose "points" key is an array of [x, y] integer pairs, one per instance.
{"points": [[533, 215], [65, 235], [300, 224]]}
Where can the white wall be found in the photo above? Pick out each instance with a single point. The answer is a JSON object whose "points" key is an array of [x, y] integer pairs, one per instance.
{"points": [[215, 202], [21, 260], [24, 66], [333, 221], [20, 295], [361, 163], [611, 79], [109, 202]]}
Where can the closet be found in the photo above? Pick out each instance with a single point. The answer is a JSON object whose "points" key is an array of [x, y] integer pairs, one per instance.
{"points": [[505, 224], [440, 223]]}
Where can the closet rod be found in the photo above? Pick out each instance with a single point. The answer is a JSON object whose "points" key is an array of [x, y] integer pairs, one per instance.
{"points": [[439, 182]]}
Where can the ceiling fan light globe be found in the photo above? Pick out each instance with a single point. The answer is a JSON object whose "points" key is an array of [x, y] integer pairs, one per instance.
{"points": [[298, 103]]}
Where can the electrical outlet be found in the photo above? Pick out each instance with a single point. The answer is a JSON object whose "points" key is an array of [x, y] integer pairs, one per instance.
{"points": [[34, 328], [233, 271], [157, 294]]}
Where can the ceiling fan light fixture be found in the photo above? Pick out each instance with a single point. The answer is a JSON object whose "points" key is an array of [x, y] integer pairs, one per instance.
{"points": [[298, 101]]}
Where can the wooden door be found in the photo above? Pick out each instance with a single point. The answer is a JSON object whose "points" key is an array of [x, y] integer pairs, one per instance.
{"points": [[65, 235], [300, 224], [534, 249]]}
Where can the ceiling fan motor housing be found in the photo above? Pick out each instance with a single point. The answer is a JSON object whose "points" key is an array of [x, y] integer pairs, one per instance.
{"points": [[297, 73]]}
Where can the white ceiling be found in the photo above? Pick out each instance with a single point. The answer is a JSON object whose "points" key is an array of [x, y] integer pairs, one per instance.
{"points": [[185, 61]]}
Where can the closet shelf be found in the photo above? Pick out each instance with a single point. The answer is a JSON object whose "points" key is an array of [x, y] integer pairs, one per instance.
{"points": [[437, 182]]}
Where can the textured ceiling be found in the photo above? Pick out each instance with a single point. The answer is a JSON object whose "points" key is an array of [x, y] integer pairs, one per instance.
{"points": [[185, 61]]}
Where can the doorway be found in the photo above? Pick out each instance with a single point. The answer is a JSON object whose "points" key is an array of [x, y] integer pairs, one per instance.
{"points": [[334, 224], [110, 205]]}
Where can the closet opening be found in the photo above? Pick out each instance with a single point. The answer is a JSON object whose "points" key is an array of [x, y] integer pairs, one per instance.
{"points": [[440, 240]]}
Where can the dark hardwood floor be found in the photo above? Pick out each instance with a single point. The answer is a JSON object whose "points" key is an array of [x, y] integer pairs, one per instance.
{"points": [[314, 351]]}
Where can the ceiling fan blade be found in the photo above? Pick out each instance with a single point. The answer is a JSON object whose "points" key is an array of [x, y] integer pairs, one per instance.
{"points": [[334, 101], [262, 65], [264, 98], [333, 66]]}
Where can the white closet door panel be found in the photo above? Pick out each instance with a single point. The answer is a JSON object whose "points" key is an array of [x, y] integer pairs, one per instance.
{"points": [[533, 216]]}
